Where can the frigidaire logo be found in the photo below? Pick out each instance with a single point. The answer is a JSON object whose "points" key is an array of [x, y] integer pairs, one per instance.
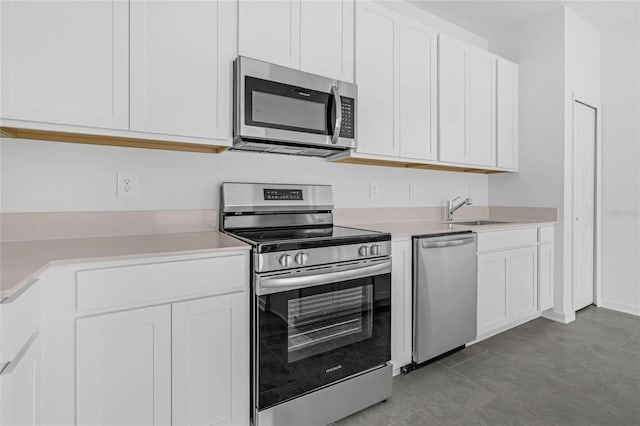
{"points": [[337, 367]]}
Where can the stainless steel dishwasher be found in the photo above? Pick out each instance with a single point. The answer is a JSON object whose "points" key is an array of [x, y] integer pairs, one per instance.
{"points": [[444, 294]]}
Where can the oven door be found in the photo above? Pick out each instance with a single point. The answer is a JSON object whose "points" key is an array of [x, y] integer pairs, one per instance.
{"points": [[312, 336]]}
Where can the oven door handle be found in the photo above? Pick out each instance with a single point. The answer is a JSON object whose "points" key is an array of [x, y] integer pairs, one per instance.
{"points": [[277, 284]]}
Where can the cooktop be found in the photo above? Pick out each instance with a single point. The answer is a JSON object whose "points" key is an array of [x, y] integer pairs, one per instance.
{"points": [[267, 240]]}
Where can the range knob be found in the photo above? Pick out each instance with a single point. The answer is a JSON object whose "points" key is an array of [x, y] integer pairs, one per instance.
{"points": [[301, 258], [286, 260], [363, 251], [375, 250]]}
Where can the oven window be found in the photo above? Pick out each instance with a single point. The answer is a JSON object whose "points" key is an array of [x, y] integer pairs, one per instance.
{"points": [[327, 321]]}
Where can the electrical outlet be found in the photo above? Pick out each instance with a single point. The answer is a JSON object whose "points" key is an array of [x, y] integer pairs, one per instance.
{"points": [[128, 185], [412, 191], [374, 190]]}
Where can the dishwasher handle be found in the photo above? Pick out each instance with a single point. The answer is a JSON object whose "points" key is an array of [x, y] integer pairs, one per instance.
{"points": [[448, 243]]}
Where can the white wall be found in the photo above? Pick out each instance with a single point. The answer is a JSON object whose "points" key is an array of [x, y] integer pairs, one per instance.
{"points": [[582, 78], [620, 97], [539, 50], [41, 176]]}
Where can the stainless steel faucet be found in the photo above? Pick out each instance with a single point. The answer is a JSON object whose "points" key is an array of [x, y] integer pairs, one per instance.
{"points": [[451, 208]]}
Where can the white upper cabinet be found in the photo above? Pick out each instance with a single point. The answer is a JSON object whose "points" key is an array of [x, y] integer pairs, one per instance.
{"points": [[396, 78], [452, 98], [467, 104], [507, 111], [417, 90], [314, 36], [143, 69], [66, 62], [269, 30], [326, 38], [482, 108], [181, 67], [375, 77]]}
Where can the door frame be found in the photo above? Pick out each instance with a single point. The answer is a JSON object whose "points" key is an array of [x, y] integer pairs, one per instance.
{"points": [[597, 248]]}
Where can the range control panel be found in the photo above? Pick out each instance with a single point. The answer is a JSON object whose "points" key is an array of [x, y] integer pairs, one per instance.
{"points": [[282, 194], [290, 259]]}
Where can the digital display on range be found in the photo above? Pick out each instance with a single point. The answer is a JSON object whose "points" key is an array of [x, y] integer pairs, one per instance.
{"points": [[283, 194]]}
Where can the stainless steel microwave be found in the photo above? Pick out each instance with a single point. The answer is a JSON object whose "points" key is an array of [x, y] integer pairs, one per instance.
{"points": [[287, 111]]}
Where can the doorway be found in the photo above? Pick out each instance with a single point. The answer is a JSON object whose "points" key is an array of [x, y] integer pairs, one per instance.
{"points": [[584, 203]]}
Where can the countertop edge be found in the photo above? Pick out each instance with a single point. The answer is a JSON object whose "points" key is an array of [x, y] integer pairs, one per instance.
{"points": [[438, 228], [34, 276]]}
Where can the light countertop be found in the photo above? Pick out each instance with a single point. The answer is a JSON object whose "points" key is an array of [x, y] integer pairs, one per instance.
{"points": [[22, 261]]}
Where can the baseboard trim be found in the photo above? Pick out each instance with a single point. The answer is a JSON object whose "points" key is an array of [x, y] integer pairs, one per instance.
{"points": [[563, 317], [504, 328], [620, 307]]}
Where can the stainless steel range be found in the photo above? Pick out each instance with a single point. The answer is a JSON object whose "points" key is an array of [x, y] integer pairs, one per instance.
{"points": [[321, 305]]}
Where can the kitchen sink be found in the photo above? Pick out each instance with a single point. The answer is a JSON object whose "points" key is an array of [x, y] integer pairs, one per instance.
{"points": [[479, 222]]}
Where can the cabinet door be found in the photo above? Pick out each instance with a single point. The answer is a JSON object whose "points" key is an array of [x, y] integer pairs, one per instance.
{"points": [[123, 368], [66, 62], [181, 67], [482, 108], [20, 387], [269, 30], [417, 87], [523, 282], [452, 100], [375, 70], [545, 277], [401, 303], [210, 361], [493, 291], [507, 111], [326, 38]]}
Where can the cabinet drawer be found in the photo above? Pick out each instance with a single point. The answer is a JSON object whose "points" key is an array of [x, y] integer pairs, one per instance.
{"points": [[499, 240], [19, 320], [160, 282], [545, 234]]}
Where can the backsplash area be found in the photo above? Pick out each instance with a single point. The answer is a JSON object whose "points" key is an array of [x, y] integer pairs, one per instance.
{"points": [[64, 177]]}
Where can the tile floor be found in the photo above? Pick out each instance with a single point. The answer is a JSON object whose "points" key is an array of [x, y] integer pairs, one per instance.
{"points": [[541, 373]]}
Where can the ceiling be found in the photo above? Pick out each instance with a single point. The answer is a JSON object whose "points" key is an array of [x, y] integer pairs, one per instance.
{"points": [[488, 18]]}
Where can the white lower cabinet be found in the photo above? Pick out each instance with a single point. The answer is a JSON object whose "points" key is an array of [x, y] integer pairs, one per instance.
{"points": [[20, 356], [401, 300], [167, 345], [179, 364], [20, 389], [523, 283], [209, 357], [123, 368], [515, 278], [493, 291], [545, 276]]}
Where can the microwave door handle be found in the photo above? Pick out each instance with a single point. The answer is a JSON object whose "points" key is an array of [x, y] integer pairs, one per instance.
{"points": [[338, 106]]}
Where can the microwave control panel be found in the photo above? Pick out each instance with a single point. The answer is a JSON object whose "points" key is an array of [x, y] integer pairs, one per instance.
{"points": [[348, 116]]}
